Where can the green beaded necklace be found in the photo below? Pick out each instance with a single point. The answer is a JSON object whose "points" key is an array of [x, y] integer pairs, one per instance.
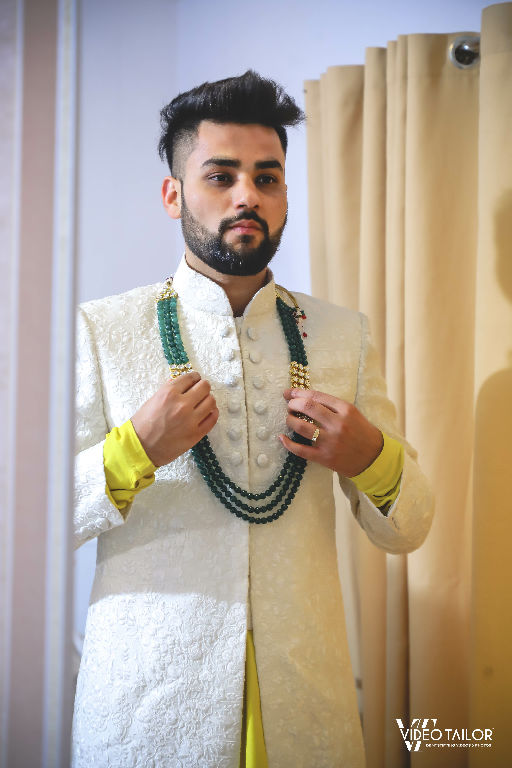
{"points": [[287, 482]]}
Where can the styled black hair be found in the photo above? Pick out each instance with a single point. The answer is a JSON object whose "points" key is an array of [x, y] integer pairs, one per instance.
{"points": [[248, 98]]}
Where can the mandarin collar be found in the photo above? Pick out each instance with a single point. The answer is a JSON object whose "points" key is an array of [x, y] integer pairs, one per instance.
{"points": [[201, 293]]}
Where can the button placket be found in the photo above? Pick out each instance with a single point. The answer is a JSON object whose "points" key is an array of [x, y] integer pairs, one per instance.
{"points": [[260, 407], [236, 458], [229, 355]]}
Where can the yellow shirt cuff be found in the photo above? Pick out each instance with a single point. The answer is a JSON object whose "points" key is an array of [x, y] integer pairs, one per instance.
{"points": [[381, 480], [128, 470]]}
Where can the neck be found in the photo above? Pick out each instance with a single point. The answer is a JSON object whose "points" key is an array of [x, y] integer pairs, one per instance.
{"points": [[239, 289]]}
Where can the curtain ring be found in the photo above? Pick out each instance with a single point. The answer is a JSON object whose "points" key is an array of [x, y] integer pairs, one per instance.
{"points": [[464, 51]]}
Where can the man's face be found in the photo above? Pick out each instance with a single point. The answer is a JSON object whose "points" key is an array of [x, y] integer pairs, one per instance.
{"points": [[233, 197]]}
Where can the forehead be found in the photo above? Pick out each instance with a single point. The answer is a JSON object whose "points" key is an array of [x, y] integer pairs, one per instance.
{"points": [[247, 143]]}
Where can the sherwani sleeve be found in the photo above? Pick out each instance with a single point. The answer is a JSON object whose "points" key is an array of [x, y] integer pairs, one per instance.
{"points": [[408, 521], [93, 510]]}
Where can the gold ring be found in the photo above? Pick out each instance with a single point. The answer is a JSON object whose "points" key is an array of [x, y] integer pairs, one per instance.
{"points": [[315, 435]]}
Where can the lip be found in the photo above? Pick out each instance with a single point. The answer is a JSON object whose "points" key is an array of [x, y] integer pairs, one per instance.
{"points": [[246, 225]]}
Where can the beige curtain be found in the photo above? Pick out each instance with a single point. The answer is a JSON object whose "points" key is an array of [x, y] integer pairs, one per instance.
{"points": [[410, 176]]}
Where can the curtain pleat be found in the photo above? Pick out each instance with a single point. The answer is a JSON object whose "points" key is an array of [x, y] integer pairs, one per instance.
{"points": [[395, 228], [439, 277], [317, 239], [397, 619], [491, 614], [412, 191], [341, 126]]}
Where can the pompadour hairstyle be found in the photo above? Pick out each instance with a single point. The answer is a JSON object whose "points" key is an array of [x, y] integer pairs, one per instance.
{"points": [[248, 98]]}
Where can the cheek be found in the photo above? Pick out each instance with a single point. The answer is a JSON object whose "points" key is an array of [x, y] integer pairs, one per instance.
{"points": [[204, 210], [279, 212]]}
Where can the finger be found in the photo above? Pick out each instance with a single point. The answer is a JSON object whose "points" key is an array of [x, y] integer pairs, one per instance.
{"points": [[304, 451], [209, 421], [289, 393], [184, 382], [198, 392], [304, 428], [334, 404], [205, 407], [309, 407]]}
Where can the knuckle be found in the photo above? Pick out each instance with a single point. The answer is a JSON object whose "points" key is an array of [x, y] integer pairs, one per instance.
{"points": [[339, 429], [168, 395], [164, 399], [208, 404]]}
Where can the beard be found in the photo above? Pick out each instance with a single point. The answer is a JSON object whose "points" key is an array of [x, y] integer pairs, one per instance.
{"points": [[242, 259]]}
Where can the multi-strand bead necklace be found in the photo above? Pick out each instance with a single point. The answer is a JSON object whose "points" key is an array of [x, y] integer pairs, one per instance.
{"points": [[280, 494]]}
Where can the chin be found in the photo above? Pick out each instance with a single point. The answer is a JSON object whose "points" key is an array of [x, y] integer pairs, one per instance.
{"points": [[243, 240]]}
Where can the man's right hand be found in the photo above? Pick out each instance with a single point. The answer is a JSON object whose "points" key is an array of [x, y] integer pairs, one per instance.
{"points": [[175, 418]]}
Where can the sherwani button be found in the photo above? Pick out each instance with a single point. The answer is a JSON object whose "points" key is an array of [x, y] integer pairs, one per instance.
{"points": [[262, 433], [231, 381], [255, 356], [262, 460], [234, 433], [234, 406], [252, 333], [258, 382], [260, 407], [225, 331], [236, 458]]}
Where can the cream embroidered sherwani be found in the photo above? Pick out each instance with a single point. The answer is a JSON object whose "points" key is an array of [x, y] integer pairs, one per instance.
{"points": [[162, 672]]}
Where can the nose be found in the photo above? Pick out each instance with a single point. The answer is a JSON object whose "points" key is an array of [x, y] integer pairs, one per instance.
{"points": [[245, 193]]}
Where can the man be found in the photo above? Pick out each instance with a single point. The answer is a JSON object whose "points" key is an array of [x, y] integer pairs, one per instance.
{"points": [[265, 400]]}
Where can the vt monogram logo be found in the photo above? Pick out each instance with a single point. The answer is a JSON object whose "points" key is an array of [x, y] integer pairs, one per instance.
{"points": [[412, 735]]}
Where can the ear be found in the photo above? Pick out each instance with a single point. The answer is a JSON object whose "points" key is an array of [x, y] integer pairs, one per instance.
{"points": [[171, 196]]}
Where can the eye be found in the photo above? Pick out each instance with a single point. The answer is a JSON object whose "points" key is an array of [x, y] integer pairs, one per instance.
{"points": [[266, 178], [220, 178]]}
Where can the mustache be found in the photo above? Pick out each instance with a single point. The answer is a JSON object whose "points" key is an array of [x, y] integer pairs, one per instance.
{"points": [[244, 216]]}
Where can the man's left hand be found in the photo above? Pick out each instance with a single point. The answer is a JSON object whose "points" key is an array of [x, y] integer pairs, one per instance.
{"points": [[347, 443]]}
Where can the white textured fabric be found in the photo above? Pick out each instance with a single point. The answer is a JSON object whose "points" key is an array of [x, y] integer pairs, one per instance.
{"points": [[162, 673]]}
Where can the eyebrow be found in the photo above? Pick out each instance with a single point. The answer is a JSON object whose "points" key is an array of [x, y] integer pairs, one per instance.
{"points": [[225, 161]]}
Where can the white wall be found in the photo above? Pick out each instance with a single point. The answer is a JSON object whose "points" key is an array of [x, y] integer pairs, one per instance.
{"points": [[135, 57]]}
